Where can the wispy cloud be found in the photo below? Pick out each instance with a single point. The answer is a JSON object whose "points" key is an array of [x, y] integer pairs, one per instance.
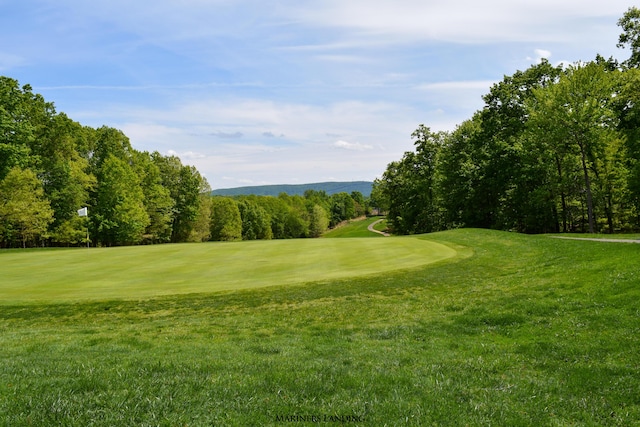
{"points": [[457, 85], [189, 155], [356, 146], [9, 61], [227, 135], [463, 21]]}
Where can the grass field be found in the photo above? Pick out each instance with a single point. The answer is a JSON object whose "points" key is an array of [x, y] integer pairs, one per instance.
{"points": [[514, 331], [355, 229], [144, 272]]}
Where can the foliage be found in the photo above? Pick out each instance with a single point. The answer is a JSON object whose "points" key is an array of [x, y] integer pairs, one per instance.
{"points": [[630, 24], [25, 213], [256, 222], [201, 231], [283, 217], [157, 198], [226, 222], [132, 196], [318, 221], [554, 149], [574, 122], [409, 185], [120, 216]]}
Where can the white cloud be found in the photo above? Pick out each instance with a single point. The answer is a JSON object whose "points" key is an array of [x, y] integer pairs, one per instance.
{"points": [[188, 155], [465, 21], [539, 55], [542, 53], [227, 135], [474, 85], [356, 146], [300, 152]]}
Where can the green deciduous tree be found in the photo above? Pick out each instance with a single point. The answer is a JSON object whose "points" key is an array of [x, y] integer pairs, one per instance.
{"points": [[318, 221], [157, 199], [185, 185], [23, 116], [575, 118], [65, 174], [201, 230], [226, 222], [457, 173], [627, 105], [630, 37], [119, 216], [256, 222], [409, 185], [499, 185], [25, 213]]}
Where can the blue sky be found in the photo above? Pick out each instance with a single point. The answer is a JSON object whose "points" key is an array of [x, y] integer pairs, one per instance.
{"points": [[285, 92]]}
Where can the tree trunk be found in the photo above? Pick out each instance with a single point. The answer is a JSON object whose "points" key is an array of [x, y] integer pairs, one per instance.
{"points": [[587, 183], [562, 196]]}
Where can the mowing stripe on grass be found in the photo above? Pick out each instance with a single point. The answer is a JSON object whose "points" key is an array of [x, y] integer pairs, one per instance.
{"points": [[148, 271]]}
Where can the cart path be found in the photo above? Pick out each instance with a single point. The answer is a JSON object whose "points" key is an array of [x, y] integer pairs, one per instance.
{"points": [[595, 239], [370, 228]]}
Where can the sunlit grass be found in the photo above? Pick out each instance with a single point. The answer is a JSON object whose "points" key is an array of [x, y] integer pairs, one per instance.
{"points": [[148, 271], [355, 228], [526, 330]]}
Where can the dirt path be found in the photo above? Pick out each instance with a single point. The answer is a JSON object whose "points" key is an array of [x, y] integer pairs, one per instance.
{"points": [[594, 239], [370, 228]]}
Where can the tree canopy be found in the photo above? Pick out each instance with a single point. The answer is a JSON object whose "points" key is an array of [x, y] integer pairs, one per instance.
{"points": [[553, 149], [53, 166]]}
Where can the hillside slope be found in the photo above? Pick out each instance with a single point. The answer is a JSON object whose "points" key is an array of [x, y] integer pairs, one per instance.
{"points": [[330, 188]]}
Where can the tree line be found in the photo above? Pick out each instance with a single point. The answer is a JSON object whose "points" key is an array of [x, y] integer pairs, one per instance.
{"points": [[282, 217], [52, 166], [554, 149]]}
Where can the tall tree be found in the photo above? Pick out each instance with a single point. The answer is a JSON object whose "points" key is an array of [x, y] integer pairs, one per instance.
{"points": [[16, 129], [318, 221], [256, 222], [627, 105], [185, 185], [108, 142], [25, 213], [342, 208], [457, 173], [576, 116], [157, 199], [409, 185], [65, 174], [226, 222], [630, 37], [500, 187], [201, 230], [119, 215]]}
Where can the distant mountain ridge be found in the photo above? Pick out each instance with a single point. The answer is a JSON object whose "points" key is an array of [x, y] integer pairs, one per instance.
{"points": [[330, 188]]}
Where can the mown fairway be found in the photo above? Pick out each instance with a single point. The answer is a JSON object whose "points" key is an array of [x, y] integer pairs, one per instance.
{"points": [[143, 272], [514, 331], [354, 229]]}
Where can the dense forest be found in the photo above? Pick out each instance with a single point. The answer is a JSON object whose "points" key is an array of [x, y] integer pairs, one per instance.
{"points": [[554, 149], [51, 167]]}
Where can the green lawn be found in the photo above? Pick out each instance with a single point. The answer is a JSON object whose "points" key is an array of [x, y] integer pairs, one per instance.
{"points": [[518, 331], [144, 272], [355, 228]]}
